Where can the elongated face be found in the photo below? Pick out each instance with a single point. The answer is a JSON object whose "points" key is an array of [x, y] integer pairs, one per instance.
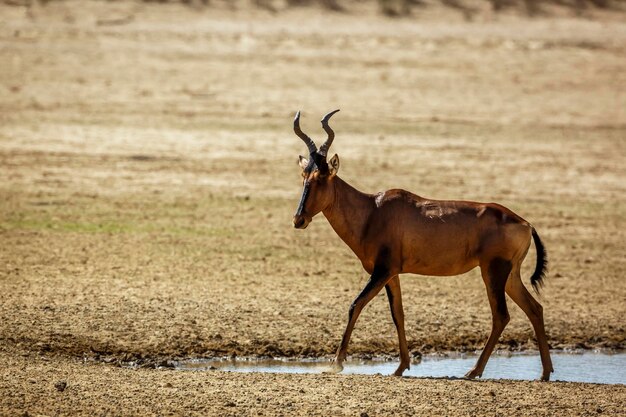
{"points": [[317, 174], [317, 188]]}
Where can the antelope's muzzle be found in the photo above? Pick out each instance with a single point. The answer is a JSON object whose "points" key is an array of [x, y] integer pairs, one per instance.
{"points": [[300, 221]]}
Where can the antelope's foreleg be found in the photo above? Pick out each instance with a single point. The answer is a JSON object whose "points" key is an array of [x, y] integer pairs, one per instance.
{"points": [[376, 283], [397, 313], [518, 292], [495, 275]]}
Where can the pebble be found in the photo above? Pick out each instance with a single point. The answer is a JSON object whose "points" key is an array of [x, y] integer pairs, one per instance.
{"points": [[60, 385]]}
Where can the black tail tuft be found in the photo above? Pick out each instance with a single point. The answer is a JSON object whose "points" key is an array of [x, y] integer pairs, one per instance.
{"points": [[541, 269]]}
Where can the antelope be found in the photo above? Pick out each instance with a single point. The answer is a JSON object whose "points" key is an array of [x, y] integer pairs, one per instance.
{"points": [[396, 232]]}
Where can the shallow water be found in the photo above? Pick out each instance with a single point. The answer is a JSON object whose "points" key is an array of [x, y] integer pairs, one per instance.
{"points": [[575, 367]]}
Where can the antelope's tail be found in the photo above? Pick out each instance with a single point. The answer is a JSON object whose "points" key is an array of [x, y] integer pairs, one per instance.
{"points": [[541, 268]]}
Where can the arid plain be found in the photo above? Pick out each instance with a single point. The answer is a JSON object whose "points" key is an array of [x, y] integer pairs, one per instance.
{"points": [[149, 178]]}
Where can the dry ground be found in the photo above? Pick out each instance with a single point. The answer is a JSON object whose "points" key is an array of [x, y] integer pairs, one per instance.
{"points": [[149, 178], [99, 390]]}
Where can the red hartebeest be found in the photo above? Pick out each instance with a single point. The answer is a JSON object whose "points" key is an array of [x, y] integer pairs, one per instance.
{"points": [[396, 232]]}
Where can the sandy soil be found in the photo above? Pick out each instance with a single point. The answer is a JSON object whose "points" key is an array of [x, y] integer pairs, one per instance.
{"points": [[149, 179], [70, 387]]}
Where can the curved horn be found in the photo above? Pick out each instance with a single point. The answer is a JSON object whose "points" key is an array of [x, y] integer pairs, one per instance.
{"points": [[331, 135], [296, 128]]}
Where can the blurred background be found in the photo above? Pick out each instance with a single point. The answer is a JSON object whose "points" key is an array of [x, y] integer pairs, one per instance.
{"points": [[149, 169]]}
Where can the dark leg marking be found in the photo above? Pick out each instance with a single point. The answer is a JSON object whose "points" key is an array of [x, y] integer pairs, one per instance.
{"points": [[499, 270], [380, 276]]}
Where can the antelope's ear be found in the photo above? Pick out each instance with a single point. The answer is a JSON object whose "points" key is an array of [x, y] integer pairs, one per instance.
{"points": [[303, 162], [333, 165]]}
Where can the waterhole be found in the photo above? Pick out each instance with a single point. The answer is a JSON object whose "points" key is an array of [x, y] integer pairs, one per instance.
{"points": [[600, 368]]}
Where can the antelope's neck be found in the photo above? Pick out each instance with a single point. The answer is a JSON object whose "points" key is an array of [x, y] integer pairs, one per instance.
{"points": [[348, 214]]}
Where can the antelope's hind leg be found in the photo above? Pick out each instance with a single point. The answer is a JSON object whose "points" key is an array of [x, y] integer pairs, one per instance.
{"points": [[518, 293], [495, 274], [397, 313]]}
